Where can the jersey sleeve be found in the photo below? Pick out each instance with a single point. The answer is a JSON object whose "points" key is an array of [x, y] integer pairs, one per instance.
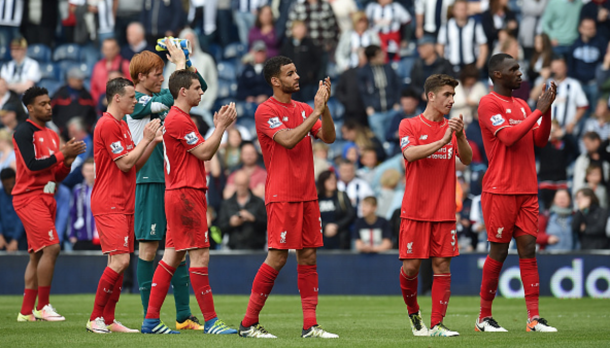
{"points": [[406, 135], [22, 139], [113, 140], [187, 134], [147, 105], [491, 117], [268, 121]]}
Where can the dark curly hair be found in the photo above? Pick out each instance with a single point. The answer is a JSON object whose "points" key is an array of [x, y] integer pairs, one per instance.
{"points": [[31, 94]]}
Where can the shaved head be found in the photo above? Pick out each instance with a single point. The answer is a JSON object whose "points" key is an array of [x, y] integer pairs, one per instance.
{"points": [[496, 63]]}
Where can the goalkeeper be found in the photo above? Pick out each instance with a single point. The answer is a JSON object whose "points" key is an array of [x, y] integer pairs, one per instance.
{"points": [[146, 70]]}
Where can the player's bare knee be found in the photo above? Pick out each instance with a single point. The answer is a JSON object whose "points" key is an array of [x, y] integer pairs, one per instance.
{"points": [[51, 251], [307, 257], [277, 259], [526, 246], [147, 250], [411, 267], [119, 262], [199, 257], [441, 265]]}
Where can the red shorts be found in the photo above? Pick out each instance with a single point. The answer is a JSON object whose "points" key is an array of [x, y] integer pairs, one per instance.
{"points": [[425, 239], [294, 225], [187, 223], [508, 216], [38, 218], [116, 233]]}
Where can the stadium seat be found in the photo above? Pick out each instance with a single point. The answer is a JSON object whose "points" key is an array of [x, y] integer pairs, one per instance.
{"points": [[227, 89], [227, 71], [67, 52], [66, 65], [39, 52], [89, 55], [50, 71], [5, 54], [336, 148], [51, 85], [234, 50]]}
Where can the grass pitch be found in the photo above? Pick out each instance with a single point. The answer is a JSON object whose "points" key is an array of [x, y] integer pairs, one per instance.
{"points": [[360, 321]]}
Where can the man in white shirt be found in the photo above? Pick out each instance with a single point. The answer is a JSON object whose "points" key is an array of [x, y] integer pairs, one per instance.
{"points": [[22, 72], [356, 188]]}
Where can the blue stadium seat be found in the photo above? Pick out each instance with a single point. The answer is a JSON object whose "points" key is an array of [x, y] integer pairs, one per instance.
{"points": [[234, 50], [226, 89], [51, 85], [227, 71], [50, 71], [89, 55], [39, 52], [67, 52], [5, 54], [66, 65], [336, 148]]}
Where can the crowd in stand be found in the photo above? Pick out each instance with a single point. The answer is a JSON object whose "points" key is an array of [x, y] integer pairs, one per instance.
{"points": [[378, 54]]}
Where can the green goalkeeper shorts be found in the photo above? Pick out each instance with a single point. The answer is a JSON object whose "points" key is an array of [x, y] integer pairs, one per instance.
{"points": [[150, 221]]}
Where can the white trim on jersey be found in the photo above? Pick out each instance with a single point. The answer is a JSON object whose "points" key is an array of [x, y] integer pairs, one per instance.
{"points": [[136, 127], [11, 12], [387, 19], [472, 36]]}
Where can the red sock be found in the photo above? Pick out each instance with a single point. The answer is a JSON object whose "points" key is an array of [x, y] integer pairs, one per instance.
{"points": [[112, 301], [441, 291], [489, 286], [261, 288], [29, 300], [308, 288], [531, 285], [43, 296], [203, 291], [104, 291], [158, 291], [408, 285]]}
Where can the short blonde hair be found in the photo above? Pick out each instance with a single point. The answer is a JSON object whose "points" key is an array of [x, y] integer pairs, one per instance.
{"points": [[357, 17], [390, 178], [143, 63], [5, 135]]}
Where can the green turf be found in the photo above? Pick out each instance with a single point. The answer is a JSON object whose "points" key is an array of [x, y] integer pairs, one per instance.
{"points": [[361, 321]]}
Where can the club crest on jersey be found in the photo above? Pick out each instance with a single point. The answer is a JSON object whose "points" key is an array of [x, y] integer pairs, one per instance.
{"points": [[191, 138], [274, 122], [404, 141], [144, 100], [51, 235], [303, 114], [283, 237], [126, 241], [497, 120], [500, 230], [410, 248], [153, 229], [116, 147]]}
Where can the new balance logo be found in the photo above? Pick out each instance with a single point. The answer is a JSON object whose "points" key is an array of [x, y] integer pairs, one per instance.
{"points": [[500, 230], [410, 248], [423, 137], [283, 237], [154, 284]]}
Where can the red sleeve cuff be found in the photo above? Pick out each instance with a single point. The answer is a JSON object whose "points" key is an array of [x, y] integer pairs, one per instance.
{"points": [[59, 156]]}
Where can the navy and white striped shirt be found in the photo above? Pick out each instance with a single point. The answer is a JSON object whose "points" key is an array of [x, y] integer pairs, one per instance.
{"points": [[11, 12], [461, 43], [387, 19]]}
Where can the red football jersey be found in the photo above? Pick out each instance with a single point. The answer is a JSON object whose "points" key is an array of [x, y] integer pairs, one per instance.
{"points": [[430, 182], [290, 175], [114, 191], [181, 136], [512, 170]]}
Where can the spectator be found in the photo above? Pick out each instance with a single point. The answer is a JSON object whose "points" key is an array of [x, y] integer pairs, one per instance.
{"points": [[372, 233], [127, 12], [230, 152], [102, 104], [321, 23], [379, 90], [475, 139], [462, 39], [468, 93], [368, 164], [592, 144], [257, 175], [348, 93], [498, 17], [344, 11], [602, 75], [430, 16], [224, 20], [264, 30], [409, 101], [559, 223], [389, 19], [540, 63], [590, 221], [428, 63], [243, 132], [244, 15], [571, 102], [9, 118], [336, 212], [281, 11], [22, 72], [353, 41], [554, 159], [8, 97], [306, 57], [320, 158], [7, 152], [356, 188], [12, 233], [390, 198], [586, 54], [243, 217], [560, 23], [10, 21], [599, 122], [111, 61], [72, 100], [362, 138], [594, 177], [531, 12], [162, 18], [77, 130], [252, 86], [81, 226], [94, 20], [136, 41], [467, 240], [598, 10], [40, 21], [203, 17]]}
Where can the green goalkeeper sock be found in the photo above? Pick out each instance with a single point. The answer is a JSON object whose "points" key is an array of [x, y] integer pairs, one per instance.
{"points": [[181, 286], [145, 272]]}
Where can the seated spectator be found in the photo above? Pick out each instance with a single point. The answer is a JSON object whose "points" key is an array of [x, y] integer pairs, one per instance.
{"points": [[592, 144], [111, 61], [251, 85], [22, 72], [244, 16], [243, 132], [230, 152], [72, 100], [462, 40], [430, 15], [599, 122], [409, 101], [8, 97], [428, 63], [94, 20], [161, 18], [264, 30], [7, 152], [320, 158], [559, 223], [590, 221], [468, 93], [499, 16], [594, 177], [531, 12], [306, 56], [368, 164], [336, 212], [599, 11], [389, 19], [102, 104], [77, 130], [356, 188], [320, 20], [250, 166], [12, 233], [352, 41], [389, 198], [379, 89], [136, 41], [347, 93], [362, 138], [8, 118], [81, 226], [372, 233], [540, 63], [560, 23], [243, 217]]}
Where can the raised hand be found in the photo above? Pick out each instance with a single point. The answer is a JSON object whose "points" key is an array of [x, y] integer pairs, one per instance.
{"points": [[448, 135], [457, 125], [225, 116], [319, 101], [176, 54], [547, 98], [73, 148], [327, 84], [151, 129]]}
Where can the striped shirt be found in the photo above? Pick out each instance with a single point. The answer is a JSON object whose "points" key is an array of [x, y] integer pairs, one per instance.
{"points": [[11, 12], [461, 43], [105, 17], [570, 97], [249, 5], [435, 13], [387, 19], [28, 70]]}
